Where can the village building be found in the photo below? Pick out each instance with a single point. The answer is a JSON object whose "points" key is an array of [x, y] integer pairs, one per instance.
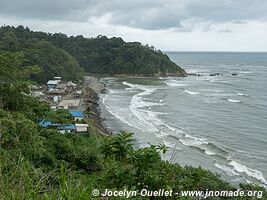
{"points": [[81, 128], [68, 128], [51, 84], [62, 128], [61, 86], [56, 92], [70, 86], [69, 104], [56, 99], [53, 107], [77, 115], [58, 78]]}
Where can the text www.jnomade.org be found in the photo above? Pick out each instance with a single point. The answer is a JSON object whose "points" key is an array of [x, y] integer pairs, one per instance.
{"points": [[169, 193]]}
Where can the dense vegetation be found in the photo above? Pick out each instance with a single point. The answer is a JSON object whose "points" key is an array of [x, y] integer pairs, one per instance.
{"points": [[60, 55], [38, 163]]}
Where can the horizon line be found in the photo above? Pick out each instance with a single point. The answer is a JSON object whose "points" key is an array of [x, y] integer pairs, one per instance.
{"points": [[180, 51]]}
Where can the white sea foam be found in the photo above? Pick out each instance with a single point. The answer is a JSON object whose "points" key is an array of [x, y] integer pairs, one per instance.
{"points": [[211, 90], [241, 94], [147, 118], [221, 94], [192, 141], [228, 170], [103, 97], [174, 83], [191, 92], [208, 152], [248, 171], [161, 134], [197, 142], [246, 72], [137, 115], [168, 144], [233, 100], [113, 91], [229, 65]]}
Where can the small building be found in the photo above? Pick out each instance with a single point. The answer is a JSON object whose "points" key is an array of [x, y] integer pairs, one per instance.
{"points": [[67, 128], [56, 92], [81, 128], [54, 108], [61, 86], [56, 99], [77, 115], [45, 123], [57, 78], [69, 104], [62, 128], [71, 86], [51, 84]]}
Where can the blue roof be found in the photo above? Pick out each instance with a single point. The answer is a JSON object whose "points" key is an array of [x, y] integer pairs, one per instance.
{"points": [[76, 113], [68, 127], [45, 123]]}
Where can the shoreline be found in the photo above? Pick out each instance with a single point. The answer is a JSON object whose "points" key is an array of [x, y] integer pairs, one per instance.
{"points": [[96, 79], [92, 88], [94, 75]]}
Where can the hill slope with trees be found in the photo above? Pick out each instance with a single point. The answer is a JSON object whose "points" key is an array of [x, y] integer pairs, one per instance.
{"points": [[69, 57]]}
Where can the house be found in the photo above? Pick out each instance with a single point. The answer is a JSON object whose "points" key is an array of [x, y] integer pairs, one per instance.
{"points": [[67, 128], [81, 128], [51, 84], [56, 92], [56, 99], [77, 115], [54, 108], [71, 86], [62, 128], [61, 86], [69, 104]]}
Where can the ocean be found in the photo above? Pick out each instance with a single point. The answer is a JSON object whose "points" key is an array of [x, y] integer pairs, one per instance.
{"points": [[217, 120]]}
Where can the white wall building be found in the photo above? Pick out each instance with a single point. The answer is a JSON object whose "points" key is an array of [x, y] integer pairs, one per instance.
{"points": [[81, 128]]}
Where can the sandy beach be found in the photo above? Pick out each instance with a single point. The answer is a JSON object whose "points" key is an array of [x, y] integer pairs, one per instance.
{"points": [[94, 83]]}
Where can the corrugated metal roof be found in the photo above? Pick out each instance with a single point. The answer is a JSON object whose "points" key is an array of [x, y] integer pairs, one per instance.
{"points": [[76, 113], [67, 127], [81, 125], [52, 82]]}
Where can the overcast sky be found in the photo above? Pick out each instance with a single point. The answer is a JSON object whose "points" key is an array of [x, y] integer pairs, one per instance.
{"points": [[169, 25]]}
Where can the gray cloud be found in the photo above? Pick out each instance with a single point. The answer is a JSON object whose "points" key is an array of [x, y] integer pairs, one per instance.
{"points": [[240, 22], [226, 30], [143, 14]]}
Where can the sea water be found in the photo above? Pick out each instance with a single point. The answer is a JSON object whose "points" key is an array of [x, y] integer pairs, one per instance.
{"points": [[218, 122]]}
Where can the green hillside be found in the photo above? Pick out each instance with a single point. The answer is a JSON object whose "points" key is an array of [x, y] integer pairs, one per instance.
{"points": [[60, 55]]}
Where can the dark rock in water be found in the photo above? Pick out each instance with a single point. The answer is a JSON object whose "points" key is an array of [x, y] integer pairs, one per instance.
{"points": [[194, 74], [234, 74], [104, 91], [215, 74]]}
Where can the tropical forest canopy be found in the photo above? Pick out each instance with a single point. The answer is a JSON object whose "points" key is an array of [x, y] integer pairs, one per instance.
{"points": [[60, 55]]}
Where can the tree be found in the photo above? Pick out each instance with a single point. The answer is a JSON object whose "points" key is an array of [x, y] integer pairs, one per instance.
{"points": [[13, 78]]}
